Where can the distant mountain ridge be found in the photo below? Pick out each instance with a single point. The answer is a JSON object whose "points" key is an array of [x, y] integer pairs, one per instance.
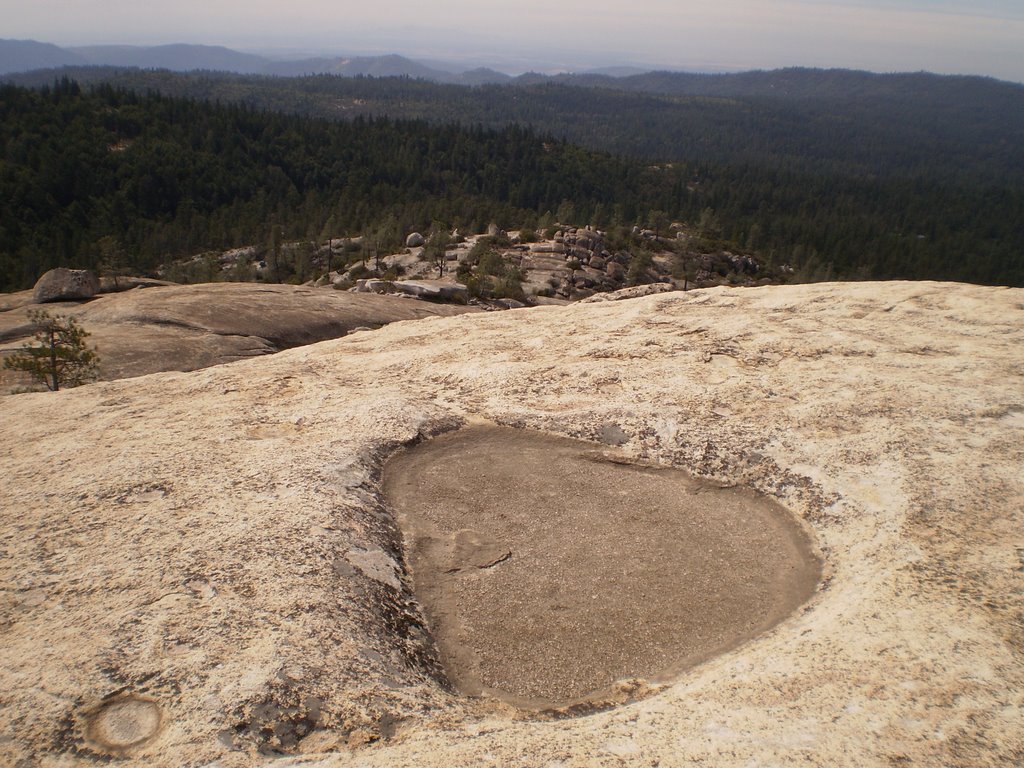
{"points": [[28, 55], [391, 65], [178, 57], [794, 84], [20, 56]]}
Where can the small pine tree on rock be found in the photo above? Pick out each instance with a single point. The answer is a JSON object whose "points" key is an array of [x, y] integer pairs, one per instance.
{"points": [[60, 356]]}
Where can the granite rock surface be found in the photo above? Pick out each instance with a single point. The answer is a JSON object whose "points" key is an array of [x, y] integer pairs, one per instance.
{"points": [[199, 568]]}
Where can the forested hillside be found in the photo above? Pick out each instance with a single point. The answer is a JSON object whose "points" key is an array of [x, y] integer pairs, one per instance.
{"points": [[853, 177], [89, 174], [835, 121]]}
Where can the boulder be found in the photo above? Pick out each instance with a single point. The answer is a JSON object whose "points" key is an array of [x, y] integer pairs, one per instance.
{"points": [[498, 304], [549, 301], [637, 291], [116, 284], [615, 271], [547, 248], [584, 280], [65, 285], [374, 285], [414, 240], [432, 290], [581, 293]]}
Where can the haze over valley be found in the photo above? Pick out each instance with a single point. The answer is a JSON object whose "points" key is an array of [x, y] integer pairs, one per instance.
{"points": [[943, 36]]}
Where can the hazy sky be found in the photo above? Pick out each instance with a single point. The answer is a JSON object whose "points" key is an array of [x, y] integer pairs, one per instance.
{"points": [[950, 36]]}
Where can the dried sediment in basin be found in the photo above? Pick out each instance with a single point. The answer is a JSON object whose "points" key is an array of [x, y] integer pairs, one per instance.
{"points": [[548, 571]]}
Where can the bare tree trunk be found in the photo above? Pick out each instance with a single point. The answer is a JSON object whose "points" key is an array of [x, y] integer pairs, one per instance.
{"points": [[53, 363]]}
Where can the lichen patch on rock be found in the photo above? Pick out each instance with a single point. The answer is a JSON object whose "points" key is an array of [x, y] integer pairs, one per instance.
{"points": [[123, 723]]}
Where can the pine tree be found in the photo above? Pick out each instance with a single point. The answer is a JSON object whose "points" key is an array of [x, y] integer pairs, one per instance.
{"points": [[60, 357], [436, 246]]}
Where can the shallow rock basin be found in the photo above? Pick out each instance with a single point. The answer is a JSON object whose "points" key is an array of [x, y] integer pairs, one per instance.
{"points": [[554, 573]]}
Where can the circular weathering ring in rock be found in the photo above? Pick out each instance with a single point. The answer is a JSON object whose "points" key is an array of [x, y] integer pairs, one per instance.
{"points": [[554, 574], [123, 723]]}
